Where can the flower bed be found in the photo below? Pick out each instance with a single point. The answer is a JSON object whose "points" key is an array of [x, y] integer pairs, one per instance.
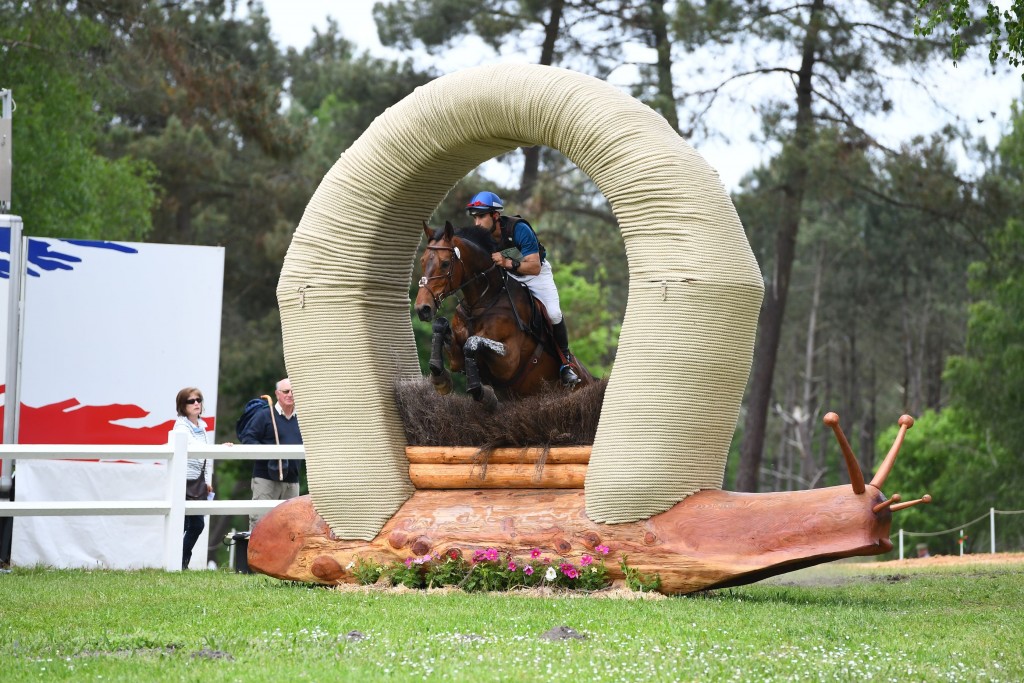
{"points": [[492, 570]]}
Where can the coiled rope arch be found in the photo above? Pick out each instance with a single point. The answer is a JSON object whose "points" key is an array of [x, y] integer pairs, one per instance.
{"points": [[685, 349]]}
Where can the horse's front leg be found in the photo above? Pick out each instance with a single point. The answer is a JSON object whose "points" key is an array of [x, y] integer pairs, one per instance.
{"points": [[439, 375], [480, 392]]}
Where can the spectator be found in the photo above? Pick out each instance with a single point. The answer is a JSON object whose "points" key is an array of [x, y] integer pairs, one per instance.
{"points": [[274, 479], [189, 404]]}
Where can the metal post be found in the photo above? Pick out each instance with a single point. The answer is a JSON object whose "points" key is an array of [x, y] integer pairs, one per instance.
{"points": [[6, 146], [961, 543], [12, 393], [901, 544], [992, 528]]}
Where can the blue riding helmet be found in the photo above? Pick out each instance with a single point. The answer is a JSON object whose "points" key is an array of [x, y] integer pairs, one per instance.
{"points": [[484, 202]]}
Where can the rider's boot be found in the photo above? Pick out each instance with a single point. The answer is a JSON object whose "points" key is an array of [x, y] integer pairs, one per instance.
{"points": [[566, 372]]}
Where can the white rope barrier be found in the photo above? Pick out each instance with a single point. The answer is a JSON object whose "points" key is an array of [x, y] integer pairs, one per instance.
{"points": [[991, 514]]}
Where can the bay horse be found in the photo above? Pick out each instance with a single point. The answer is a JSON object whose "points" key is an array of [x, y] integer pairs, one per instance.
{"points": [[499, 334]]}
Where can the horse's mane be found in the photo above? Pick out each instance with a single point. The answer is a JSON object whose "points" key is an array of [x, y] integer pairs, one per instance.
{"points": [[479, 237]]}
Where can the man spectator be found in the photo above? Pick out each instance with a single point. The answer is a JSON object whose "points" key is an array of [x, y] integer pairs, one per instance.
{"points": [[274, 479]]}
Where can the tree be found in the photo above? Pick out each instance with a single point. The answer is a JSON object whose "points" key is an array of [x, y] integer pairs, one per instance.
{"points": [[964, 26], [63, 184], [564, 30], [832, 54]]}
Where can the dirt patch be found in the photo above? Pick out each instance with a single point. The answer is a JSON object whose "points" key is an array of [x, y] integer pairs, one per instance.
{"points": [[948, 561]]}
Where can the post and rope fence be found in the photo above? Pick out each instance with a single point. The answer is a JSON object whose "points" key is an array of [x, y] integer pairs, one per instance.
{"points": [[959, 529]]}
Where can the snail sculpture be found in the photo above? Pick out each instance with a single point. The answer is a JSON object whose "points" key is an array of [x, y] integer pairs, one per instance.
{"points": [[711, 539]]}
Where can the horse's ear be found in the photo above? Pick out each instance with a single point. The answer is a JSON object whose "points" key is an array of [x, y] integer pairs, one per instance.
{"points": [[428, 231], [449, 230]]}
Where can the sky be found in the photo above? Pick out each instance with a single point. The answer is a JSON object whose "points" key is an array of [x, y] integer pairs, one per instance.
{"points": [[966, 94]]}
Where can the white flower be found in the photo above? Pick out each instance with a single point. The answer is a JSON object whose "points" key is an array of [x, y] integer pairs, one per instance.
{"points": [[550, 574], [350, 564]]}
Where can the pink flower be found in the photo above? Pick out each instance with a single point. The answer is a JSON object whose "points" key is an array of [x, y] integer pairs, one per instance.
{"points": [[546, 560], [408, 562], [603, 549], [585, 560], [528, 570], [511, 566], [571, 572], [565, 567], [479, 555], [491, 554], [535, 553]]}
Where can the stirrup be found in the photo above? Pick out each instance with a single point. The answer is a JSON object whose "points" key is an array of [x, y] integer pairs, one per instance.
{"points": [[568, 375]]}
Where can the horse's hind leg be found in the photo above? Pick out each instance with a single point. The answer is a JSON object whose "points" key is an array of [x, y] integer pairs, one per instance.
{"points": [[477, 389], [439, 375]]}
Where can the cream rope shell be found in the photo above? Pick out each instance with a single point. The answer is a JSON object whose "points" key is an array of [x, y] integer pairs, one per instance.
{"points": [[684, 353]]}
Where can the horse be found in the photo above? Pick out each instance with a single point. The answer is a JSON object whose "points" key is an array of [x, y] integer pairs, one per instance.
{"points": [[499, 334]]}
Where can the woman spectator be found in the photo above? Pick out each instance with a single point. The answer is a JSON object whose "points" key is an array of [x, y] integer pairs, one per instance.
{"points": [[189, 403]]}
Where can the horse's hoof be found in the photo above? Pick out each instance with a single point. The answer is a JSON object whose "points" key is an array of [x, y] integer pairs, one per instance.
{"points": [[489, 400], [442, 383]]}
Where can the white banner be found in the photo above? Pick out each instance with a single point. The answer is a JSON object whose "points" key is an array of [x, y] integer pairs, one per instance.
{"points": [[107, 542], [111, 331]]}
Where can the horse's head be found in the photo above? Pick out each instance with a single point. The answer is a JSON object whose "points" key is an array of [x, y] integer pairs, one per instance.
{"points": [[438, 264], [452, 261]]}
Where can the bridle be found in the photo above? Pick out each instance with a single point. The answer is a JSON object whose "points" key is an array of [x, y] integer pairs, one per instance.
{"points": [[448, 276]]}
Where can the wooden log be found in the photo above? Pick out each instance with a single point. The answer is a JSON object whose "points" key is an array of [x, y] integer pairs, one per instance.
{"points": [[711, 539], [428, 476], [469, 455]]}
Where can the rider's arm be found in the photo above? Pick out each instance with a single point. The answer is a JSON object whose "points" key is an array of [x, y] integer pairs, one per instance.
{"points": [[530, 265]]}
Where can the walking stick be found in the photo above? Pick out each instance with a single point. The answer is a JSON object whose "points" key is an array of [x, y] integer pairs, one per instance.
{"points": [[277, 437]]}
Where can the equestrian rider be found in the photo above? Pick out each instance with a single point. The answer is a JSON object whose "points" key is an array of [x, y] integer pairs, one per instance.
{"points": [[534, 270]]}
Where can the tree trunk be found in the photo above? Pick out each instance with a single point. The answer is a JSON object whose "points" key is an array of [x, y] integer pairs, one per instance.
{"points": [[774, 307], [806, 426], [531, 155], [665, 103]]}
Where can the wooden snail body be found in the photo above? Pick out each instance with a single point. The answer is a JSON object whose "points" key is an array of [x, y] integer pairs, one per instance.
{"points": [[711, 539]]}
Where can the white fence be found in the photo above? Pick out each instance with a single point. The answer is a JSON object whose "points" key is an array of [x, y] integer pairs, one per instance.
{"points": [[173, 507]]}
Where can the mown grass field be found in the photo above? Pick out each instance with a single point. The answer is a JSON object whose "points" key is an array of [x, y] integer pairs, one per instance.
{"points": [[841, 622]]}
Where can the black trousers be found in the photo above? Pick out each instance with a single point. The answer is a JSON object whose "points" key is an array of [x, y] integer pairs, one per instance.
{"points": [[194, 525]]}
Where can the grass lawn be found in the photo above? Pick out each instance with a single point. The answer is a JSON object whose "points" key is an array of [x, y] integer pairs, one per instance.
{"points": [[840, 622]]}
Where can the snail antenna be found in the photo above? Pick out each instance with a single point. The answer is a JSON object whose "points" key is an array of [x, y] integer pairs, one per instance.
{"points": [[905, 422], [856, 476], [886, 503], [911, 503]]}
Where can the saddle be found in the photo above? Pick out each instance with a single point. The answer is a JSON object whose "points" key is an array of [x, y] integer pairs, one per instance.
{"points": [[539, 325]]}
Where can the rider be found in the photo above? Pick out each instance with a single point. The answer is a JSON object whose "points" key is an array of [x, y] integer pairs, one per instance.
{"points": [[534, 270]]}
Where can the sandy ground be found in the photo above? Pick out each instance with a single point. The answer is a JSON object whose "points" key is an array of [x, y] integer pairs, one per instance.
{"points": [[948, 561]]}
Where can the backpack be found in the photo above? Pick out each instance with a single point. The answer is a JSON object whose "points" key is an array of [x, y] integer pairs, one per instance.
{"points": [[252, 407], [508, 225]]}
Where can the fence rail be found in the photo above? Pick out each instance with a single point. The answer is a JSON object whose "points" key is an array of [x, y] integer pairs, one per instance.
{"points": [[173, 506]]}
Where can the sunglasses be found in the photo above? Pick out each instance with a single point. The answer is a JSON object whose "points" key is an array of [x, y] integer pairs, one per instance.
{"points": [[193, 401]]}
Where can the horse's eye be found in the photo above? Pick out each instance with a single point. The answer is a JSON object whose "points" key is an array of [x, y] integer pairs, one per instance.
{"points": [[445, 264]]}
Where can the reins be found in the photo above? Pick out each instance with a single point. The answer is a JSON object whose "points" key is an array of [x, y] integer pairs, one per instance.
{"points": [[450, 287]]}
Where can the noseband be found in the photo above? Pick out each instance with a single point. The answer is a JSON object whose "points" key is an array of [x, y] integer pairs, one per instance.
{"points": [[450, 287]]}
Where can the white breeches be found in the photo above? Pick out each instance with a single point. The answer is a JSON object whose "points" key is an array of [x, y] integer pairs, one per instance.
{"points": [[543, 287]]}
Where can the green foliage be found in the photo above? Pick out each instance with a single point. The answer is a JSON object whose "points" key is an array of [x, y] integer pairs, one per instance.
{"points": [[63, 186], [489, 570], [643, 583], [958, 16], [965, 471], [593, 334], [367, 571]]}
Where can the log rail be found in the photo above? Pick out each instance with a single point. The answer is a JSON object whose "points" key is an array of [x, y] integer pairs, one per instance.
{"points": [[461, 467]]}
